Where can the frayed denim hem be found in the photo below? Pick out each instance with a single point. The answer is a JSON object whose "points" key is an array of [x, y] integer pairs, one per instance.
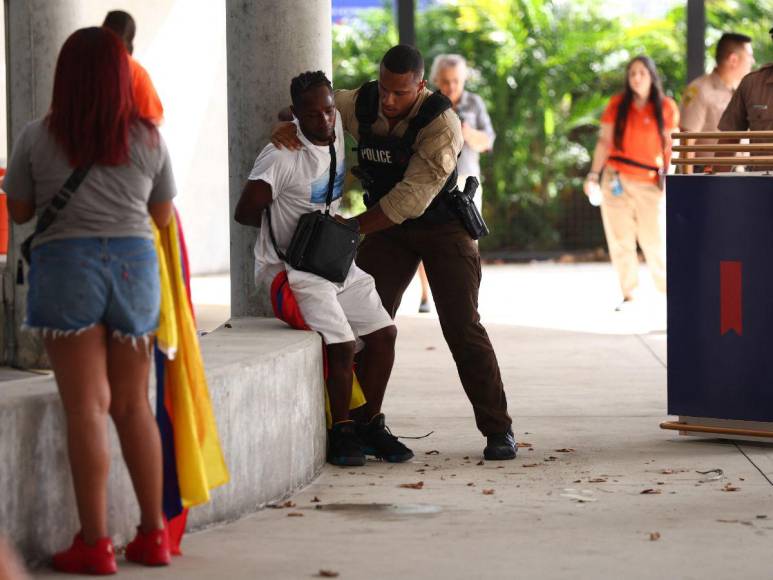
{"points": [[146, 339], [45, 332]]}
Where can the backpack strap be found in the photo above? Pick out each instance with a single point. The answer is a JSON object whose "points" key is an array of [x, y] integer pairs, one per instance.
{"points": [[366, 107], [432, 107]]}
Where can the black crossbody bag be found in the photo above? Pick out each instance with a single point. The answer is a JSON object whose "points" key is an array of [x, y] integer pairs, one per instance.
{"points": [[54, 207], [321, 244]]}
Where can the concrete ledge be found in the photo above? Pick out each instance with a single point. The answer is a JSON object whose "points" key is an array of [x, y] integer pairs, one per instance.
{"points": [[266, 386]]}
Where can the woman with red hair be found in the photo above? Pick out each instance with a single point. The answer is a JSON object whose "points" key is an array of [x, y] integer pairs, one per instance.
{"points": [[94, 283]]}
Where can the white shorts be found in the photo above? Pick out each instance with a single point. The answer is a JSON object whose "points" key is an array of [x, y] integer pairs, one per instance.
{"points": [[339, 312]]}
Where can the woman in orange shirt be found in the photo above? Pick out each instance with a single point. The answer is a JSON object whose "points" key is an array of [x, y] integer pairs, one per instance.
{"points": [[630, 159]]}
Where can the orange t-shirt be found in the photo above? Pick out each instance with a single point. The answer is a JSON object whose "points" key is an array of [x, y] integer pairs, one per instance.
{"points": [[641, 139], [145, 95]]}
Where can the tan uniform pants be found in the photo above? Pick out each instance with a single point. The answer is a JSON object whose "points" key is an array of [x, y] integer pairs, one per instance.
{"points": [[638, 214]]}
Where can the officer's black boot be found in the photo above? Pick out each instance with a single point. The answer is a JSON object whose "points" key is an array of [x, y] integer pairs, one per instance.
{"points": [[500, 446]]}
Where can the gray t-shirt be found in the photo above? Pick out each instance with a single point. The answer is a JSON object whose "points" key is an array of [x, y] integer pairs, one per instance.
{"points": [[472, 110], [111, 201]]}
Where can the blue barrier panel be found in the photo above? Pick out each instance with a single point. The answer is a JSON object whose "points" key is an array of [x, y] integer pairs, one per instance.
{"points": [[720, 296]]}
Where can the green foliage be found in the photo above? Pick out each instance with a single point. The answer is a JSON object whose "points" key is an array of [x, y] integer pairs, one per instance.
{"points": [[545, 69]]}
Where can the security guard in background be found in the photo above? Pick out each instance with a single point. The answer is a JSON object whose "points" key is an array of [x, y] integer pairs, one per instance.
{"points": [[408, 142], [751, 107]]}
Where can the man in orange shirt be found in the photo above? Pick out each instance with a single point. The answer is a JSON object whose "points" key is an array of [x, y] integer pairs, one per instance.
{"points": [[145, 95]]}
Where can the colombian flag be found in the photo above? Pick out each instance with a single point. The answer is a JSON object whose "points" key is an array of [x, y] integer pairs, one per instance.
{"points": [[193, 459], [286, 309]]}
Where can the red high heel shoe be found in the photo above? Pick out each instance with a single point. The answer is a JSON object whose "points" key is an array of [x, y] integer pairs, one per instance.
{"points": [[151, 549], [80, 558]]}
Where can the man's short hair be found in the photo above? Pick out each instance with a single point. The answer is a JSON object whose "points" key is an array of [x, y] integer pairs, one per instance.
{"points": [[402, 59], [306, 81], [729, 43], [444, 61], [119, 22]]}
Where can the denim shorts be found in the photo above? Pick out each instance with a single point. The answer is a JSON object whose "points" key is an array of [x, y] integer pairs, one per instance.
{"points": [[77, 283]]}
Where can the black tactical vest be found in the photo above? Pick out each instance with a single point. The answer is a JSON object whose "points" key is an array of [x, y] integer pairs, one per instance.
{"points": [[382, 161]]}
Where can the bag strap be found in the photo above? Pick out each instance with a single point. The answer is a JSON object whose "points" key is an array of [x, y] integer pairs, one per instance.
{"points": [[328, 201], [61, 198], [332, 179], [633, 163]]}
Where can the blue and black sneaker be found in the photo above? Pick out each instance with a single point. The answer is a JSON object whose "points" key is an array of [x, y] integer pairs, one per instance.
{"points": [[343, 445], [378, 441]]}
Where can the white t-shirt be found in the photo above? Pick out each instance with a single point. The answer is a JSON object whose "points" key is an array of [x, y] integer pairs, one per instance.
{"points": [[299, 181]]}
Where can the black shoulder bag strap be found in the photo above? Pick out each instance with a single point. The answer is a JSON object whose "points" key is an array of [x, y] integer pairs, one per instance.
{"points": [[328, 201], [54, 207]]}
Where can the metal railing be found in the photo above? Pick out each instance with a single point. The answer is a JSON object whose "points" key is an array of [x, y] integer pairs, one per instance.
{"points": [[730, 150]]}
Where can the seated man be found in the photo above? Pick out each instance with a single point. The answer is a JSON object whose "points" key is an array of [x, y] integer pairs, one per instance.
{"points": [[294, 183]]}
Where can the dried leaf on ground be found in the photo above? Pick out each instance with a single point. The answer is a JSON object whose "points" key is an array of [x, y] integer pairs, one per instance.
{"points": [[432, 452], [294, 515], [650, 491], [729, 521], [488, 492], [466, 457], [731, 487], [551, 458], [327, 574], [530, 465], [473, 485], [481, 462], [667, 471], [565, 450], [316, 500], [521, 444], [598, 480], [654, 536], [417, 485]]}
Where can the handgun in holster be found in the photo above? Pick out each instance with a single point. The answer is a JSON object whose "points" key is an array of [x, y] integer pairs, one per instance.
{"points": [[464, 206]]}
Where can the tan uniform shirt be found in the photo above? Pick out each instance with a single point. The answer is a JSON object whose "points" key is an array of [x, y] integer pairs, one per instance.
{"points": [[752, 104], [704, 101], [436, 149]]}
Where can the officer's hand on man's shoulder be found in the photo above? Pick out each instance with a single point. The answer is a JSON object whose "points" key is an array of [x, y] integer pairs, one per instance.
{"points": [[285, 135]]}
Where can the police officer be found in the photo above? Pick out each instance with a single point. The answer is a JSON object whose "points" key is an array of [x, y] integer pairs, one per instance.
{"points": [[751, 107], [707, 97], [408, 142]]}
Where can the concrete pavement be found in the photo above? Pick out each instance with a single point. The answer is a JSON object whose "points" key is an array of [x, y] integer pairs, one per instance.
{"points": [[587, 389]]}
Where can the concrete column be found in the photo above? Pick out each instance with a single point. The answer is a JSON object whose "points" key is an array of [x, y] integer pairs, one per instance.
{"points": [[406, 21], [696, 39], [35, 31], [268, 43]]}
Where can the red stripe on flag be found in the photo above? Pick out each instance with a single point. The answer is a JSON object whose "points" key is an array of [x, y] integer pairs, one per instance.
{"points": [[730, 297]]}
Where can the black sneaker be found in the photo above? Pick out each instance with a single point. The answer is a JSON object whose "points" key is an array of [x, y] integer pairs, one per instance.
{"points": [[500, 446], [378, 441], [343, 445]]}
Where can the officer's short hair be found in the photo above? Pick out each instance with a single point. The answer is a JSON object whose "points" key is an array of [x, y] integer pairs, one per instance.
{"points": [[444, 61], [729, 43], [403, 59], [306, 81]]}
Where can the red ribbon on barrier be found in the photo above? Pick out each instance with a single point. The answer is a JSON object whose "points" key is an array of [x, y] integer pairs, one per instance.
{"points": [[731, 297]]}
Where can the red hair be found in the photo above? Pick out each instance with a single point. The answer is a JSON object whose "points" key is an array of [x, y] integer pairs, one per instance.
{"points": [[92, 109]]}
